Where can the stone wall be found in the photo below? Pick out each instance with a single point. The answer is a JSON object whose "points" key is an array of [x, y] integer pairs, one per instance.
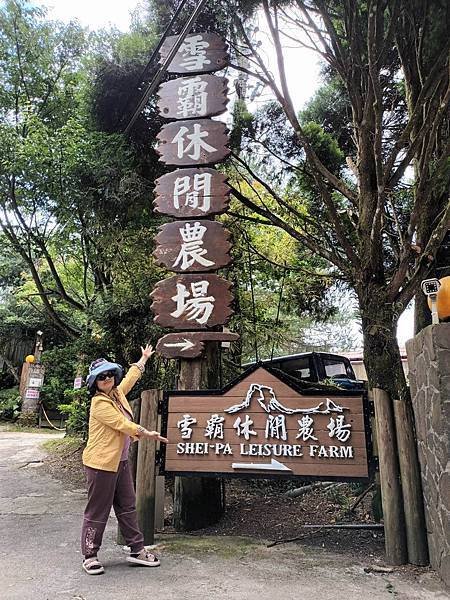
{"points": [[429, 376]]}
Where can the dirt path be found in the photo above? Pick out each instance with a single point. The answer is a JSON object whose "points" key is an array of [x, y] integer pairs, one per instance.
{"points": [[40, 557]]}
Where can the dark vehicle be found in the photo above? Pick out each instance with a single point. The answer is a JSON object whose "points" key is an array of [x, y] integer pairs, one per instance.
{"points": [[313, 367]]}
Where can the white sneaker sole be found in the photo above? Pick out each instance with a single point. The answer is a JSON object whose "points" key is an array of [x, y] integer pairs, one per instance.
{"points": [[143, 563]]}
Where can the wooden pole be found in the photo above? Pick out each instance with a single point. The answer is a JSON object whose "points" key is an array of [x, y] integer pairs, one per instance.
{"points": [[198, 501], [132, 457], [393, 517], [416, 536], [146, 471]]}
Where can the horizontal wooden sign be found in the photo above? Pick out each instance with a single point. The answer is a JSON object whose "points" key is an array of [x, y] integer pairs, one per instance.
{"points": [[193, 246], [263, 425], [195, 301], [199, 53], [190, 344], [198, 142], [188, 193], [193, 97]]}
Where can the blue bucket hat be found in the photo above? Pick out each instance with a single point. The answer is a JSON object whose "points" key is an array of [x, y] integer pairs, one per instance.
{"points": [[100, 366]]}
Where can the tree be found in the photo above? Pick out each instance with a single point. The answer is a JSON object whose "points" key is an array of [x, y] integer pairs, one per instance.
{"points": [[364, 218]]}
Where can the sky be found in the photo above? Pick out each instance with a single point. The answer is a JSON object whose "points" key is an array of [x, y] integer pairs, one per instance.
{"points": [[301, 65]]}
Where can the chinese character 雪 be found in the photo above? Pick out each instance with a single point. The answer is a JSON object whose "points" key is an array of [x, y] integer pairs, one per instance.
{"points": [[184, 425], [193, 50]]}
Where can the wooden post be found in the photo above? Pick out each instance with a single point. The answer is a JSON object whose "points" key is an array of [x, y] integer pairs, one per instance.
{"points": [[145, 473], [132, 457], [393, 517], [198, 501], [416, 536]]}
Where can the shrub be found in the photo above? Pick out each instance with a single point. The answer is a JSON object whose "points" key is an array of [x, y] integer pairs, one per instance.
{"points": [[10, 403], [76, 407]]}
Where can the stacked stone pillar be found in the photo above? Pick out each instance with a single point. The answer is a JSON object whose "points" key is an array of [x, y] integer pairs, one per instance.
{"points": [[429, 377]]}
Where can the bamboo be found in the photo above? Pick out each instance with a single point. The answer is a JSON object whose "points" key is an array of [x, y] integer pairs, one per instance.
{"points": [[396, 553], [416, 536]]}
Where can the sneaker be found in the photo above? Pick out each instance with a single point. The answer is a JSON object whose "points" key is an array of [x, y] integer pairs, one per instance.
{"points": [[144, 558], [93, 566]]}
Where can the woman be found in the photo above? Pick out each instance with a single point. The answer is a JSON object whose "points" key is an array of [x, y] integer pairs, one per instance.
{"points": [[105, 460]]}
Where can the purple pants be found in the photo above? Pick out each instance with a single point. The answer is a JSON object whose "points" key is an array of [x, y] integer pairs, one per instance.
{"points": [[107, 489]]}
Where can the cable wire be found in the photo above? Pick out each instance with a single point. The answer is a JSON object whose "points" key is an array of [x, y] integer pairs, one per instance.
{"points": [[162, 71]]}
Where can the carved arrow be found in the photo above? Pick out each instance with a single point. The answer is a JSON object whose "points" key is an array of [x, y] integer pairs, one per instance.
{"points": [[190, 344]]}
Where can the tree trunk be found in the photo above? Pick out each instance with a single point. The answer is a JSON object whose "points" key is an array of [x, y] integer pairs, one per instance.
{"points": [[198, 501], [385, 373]]}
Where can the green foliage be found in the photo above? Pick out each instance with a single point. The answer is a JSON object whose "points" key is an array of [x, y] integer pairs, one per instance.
{"points": [[10, 403], [76, 407]]}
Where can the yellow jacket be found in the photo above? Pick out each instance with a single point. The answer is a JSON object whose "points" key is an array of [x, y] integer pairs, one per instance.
{"points": [[108, 427]]}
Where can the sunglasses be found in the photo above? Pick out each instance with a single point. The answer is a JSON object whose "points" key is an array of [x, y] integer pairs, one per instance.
{"points": [[107, 375]]}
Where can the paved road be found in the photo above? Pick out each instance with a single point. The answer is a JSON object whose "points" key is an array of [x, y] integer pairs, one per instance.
{"points": [[40, 558]]}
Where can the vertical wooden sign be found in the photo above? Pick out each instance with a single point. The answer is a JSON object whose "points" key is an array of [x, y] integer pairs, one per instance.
{"points": [[194, 300]]}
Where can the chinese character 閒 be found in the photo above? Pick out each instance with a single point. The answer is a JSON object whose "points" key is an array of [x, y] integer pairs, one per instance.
{"points": [[276, 427], [198, 191]]}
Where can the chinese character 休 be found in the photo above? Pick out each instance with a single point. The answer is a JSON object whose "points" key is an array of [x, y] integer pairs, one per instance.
{"points": [[244, 427], [196, 142], [199, 307]]}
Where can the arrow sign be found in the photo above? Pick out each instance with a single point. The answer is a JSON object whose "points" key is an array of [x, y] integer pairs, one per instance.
{"points": [[274, 465], [183, 346], [190, 344]]}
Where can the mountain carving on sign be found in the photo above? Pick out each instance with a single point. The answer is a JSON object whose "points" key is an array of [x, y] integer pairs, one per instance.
{"points": [[268, 401]]}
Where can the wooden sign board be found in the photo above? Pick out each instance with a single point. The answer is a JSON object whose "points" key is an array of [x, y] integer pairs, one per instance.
{"points": [[188, 193], [196, 301], [192, 246], [193, 97], [189, 344], [199, 53], [262, 425], [197, 142]]}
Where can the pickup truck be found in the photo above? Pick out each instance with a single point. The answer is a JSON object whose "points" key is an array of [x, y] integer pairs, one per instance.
{"points": [[314, 367]]}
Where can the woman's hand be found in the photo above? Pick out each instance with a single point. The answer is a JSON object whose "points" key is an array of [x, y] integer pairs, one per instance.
{"points": [[146, 352], [155, 435]]}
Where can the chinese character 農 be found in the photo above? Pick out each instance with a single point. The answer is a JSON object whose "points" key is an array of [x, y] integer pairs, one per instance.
{"points": [[192, 249]]}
